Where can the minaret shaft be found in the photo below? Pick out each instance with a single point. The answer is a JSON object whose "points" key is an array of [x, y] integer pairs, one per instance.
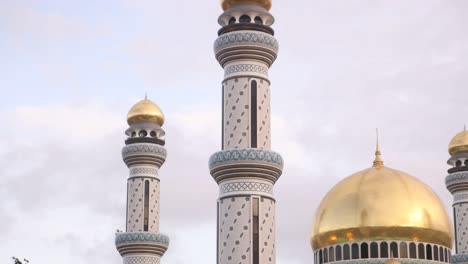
{"points": [[246, 169], [143, 199], [246, 115], [144, 154]]}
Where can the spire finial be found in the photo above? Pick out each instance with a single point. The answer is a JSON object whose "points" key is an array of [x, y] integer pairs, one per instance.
{"points": [[146, 95], [378, 162], [464, 127]]}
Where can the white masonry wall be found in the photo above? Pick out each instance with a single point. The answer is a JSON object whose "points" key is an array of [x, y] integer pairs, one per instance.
{"points": [[461, 221], [136, 196], [237, 113]]}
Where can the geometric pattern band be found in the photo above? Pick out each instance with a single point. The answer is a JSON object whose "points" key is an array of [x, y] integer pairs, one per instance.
{"points": [[246, 68], [136, 171], [141, 260], [460, 197], [246, 186]]}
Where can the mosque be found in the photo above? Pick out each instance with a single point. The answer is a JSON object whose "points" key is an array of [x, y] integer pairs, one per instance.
{"points": [[377, 215]]}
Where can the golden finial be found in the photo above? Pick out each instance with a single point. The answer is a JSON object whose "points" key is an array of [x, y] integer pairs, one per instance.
{"points": [[146, 95], [378, 162]]}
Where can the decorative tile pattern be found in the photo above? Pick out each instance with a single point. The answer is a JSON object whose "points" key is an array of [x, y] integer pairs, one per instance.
{"points": [[141, 170], [135, 206], [236, 113], [267, 231], [246, 68], [141, 260], [144, 148], [263, 115], [458, 197], [235, 231], [127, 237], [457, 176], [234, 155], [461, 211], [246, 186], [460, 258], [246, 37]]}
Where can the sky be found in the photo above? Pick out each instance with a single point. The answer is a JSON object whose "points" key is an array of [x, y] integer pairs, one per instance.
{"points": [[70, 71]]}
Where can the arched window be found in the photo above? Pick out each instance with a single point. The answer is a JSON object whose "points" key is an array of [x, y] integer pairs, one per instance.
{"points": [[441, 254], [133, 134], [153, 134], [253, 114], [258, 20], [383, 250], [325, 255], [412, 250], [436, 253], [466, 162], [338, 253], [403, 250], [374, 250], [364, 251], [355, 251], [146, 207], [244, 19], [445, 255], [320, 257], [428, 252], [331, 254], [346, 254], [232, 20], [421, 254], [143, 133], [394, 250], [458, 163]]}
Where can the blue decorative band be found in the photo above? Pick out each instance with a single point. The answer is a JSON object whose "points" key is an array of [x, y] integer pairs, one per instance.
{"points": [[122, 238], [246, 37], [457, 176], [236, 155], [144, 148], [460, 258]]}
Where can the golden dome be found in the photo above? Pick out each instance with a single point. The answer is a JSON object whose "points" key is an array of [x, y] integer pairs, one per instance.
{"points": [[459, 143], [145, 111], [381, 203], [230, 3]]}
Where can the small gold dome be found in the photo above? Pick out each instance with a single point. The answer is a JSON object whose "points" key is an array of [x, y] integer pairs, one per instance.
{"points": [[381, 203], [145, 111], [459, 143], [230, 3]]}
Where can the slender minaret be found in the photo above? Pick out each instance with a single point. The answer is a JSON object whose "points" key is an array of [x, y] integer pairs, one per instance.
{"points": [[246, 169], [457, 184], [144, 154]]}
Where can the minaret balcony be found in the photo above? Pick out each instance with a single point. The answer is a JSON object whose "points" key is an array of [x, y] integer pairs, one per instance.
{"points": [[246, 163], [136, 243], [144, 153]]}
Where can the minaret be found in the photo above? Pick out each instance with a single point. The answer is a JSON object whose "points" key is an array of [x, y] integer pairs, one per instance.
{"points": [[457, 184], [246, 169], [144, 153]]}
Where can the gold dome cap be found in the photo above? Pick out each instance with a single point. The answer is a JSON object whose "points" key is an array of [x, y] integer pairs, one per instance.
{"points": [[459, 143], [226, 4], [380, 203], [145, 111]]}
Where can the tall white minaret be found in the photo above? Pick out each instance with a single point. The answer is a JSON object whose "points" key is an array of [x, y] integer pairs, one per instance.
{"points": [[144, 153], [457, 184], [246, 169]]}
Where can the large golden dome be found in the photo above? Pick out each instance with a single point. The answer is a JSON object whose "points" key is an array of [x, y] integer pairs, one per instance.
{"points": [[381, 203], [459, 143], [230, 3], [145, 111]]}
